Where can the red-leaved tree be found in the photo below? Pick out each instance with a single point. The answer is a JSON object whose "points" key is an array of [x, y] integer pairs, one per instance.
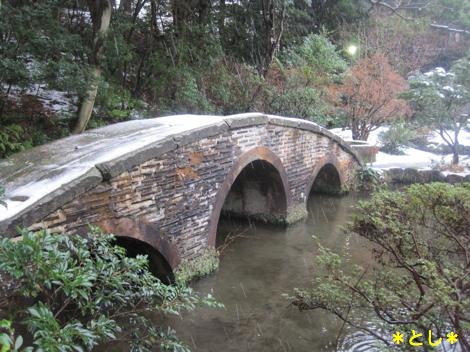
{"points": [[368, 95]]}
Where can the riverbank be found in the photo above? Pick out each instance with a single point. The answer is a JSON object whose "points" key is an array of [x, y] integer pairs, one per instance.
{"points": [[418, 164]]}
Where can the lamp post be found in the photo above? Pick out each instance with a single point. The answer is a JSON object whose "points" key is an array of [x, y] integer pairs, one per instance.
{"points": [[352, 49]]}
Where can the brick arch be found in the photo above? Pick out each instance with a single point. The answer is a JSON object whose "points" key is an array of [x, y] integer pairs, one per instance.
{"points": [[329, 160], [141, 231], [257, 153]]}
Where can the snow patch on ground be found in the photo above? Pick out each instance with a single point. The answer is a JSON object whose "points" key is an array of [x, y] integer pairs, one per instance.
{"points": [[412, 157], [53, 100]]}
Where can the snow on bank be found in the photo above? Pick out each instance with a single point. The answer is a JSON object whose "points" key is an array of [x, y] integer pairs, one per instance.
{"points": [[412, 157], [55, 101]]}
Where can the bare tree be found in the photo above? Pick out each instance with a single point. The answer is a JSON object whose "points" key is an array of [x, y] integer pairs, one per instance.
{"points": [[402, 8]]}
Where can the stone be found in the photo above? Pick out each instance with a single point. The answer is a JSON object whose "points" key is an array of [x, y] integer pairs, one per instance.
{"points": [[428, 176], [411, 176], [393, 175], [454, 178]]}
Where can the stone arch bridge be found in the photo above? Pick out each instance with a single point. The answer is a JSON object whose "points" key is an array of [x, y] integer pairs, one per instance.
{"points": [[165, 181]]}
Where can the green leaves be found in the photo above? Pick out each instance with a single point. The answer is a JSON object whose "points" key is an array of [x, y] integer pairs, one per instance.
{"points": [[396, 138], [419, 271], [2, 196], [318, 58], [11, 140], [8, 343], [82, 291]]}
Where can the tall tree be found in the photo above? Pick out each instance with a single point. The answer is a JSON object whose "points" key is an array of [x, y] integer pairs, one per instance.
{"points": [[100, 11]]}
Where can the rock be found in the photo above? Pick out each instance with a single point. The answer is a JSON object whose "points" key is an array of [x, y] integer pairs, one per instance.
{"points": [[453, 178], [428, 176], [394, 175], [411, 176]]}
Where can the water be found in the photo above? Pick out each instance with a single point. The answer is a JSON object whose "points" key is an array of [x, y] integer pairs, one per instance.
{"points": [[256, 269]]}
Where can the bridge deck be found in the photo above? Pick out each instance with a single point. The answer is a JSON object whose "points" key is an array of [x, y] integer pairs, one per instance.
{"points": [[76, 163]]}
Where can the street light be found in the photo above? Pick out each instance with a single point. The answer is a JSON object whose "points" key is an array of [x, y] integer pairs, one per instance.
{"points": [[352, 49]]}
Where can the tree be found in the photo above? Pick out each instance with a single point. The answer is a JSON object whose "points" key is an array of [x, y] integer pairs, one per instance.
{"points": [[296, 83], [331, 14], [418, 275], [100, 12], [409, 45], [368, 95], [37, 48], [412, 33], [441, 100], [445, 14]]}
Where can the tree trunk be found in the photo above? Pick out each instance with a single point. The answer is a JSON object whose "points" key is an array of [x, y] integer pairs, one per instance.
{"points": [[181, 11], [153, 18], [364, 135], [125, 6], [455, 155], [221, 22], [86, 107], [101, 17], [355, 130], [204, 7], [273, 30]]}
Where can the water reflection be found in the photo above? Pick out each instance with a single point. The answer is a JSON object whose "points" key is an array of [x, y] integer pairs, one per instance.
{"points": [[256, 270]]}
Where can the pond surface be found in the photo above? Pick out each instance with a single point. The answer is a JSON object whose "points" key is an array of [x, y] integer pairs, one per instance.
{"points": [[256, 269]]}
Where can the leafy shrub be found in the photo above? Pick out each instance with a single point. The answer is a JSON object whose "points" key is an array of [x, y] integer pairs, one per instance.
{"points": [[115, 103], [11, 140], [304, 102], [73, 293], [396, 138], [317, 57], [188, 96], [233, 87], [368, 178], [417, 275], [7, 342]]}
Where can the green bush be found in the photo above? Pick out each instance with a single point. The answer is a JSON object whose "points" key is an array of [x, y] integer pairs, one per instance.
{"points": [[317, 57], [304, 102], [368, 178], [396, 138], [233, 87], [115, 103], [73, 293], [11, 140], [416, 276], [297, 83]]}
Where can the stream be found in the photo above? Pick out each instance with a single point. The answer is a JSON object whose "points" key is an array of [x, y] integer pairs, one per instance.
{"points": [[255, 270]]}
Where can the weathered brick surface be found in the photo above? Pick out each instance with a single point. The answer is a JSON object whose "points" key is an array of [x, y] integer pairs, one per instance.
{"points": [[174, 194]]}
